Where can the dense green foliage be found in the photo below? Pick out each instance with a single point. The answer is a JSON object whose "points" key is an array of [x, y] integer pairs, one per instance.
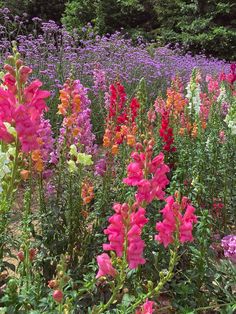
{"points": [[46, 10], [207, 26]]}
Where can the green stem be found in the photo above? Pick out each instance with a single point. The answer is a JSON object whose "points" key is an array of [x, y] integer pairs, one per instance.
{"points": [[157, 289], [121, 278], [42, 205], [10, 190], [212, 306], [103, 307]]}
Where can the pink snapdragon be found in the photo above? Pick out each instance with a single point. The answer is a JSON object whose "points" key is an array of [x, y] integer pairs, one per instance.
{"points": [[213, 85], [99, 77], [135, 243], [231, 76], [125, 229], [222, 137], [146, 308], [105, 266], [115, 232], [149, 175], [135, 173], [21, 106], [176, 223], [229, 245]]}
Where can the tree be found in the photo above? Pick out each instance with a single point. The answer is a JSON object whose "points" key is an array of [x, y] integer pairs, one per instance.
{"points": [[47, 10], [199, 25]]}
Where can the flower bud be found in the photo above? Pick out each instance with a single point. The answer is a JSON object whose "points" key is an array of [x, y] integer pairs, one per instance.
{"points": [[61, 274], [53, 284], [57, 296], [11, 60], [139, 146], [9, 69], [21, 256], [32, 254], [151, 142], [12, 285], [24, 174], [19, 63]]}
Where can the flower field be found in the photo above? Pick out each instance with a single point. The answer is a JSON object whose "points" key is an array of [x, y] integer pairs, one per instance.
{"points": [[117, 175]]}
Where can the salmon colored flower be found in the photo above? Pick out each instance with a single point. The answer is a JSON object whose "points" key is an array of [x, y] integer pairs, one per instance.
{"points": [[131, 140], [87, 193], [24, 174], [114, 149]]}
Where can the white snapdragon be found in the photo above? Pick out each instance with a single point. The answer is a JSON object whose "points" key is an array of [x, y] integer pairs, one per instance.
{"points": [[193, 92], [4, 167]]}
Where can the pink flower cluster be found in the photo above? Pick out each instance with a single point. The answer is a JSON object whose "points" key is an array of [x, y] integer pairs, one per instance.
{"points": [[138, 175], [176, 223], [146, 308], [99, 77], [21, 107], [231, 76], [126, 227], [229, 245], [213, 85], [105, 266]]}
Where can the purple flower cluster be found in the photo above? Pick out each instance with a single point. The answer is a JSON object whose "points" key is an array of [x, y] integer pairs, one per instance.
{"points": [[86, 136], [99, 77], [225, 109], [229, 245], [100, 167], [46, 139], [55, 54]]}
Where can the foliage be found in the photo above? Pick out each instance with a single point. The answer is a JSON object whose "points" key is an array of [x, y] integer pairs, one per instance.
{"points": [[132, 223], [51, 10], [212, 30], [117, 187]]}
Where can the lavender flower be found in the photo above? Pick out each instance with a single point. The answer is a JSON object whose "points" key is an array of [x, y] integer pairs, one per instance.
{"points": [[100, 167], [224, 109], [229, 245], [46, 139], [99, 77]]}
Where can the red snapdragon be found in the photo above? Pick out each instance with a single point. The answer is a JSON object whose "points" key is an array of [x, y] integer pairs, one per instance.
{"points": [[120, 122], [166, 132]]}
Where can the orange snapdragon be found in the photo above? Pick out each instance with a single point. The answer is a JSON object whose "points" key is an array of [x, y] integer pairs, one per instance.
{"points": [[38, 161], [87, 192]]}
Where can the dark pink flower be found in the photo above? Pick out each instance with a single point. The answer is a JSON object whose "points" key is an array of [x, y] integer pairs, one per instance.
{"points": [[174, 223], [105, 266], [146, 308]]}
